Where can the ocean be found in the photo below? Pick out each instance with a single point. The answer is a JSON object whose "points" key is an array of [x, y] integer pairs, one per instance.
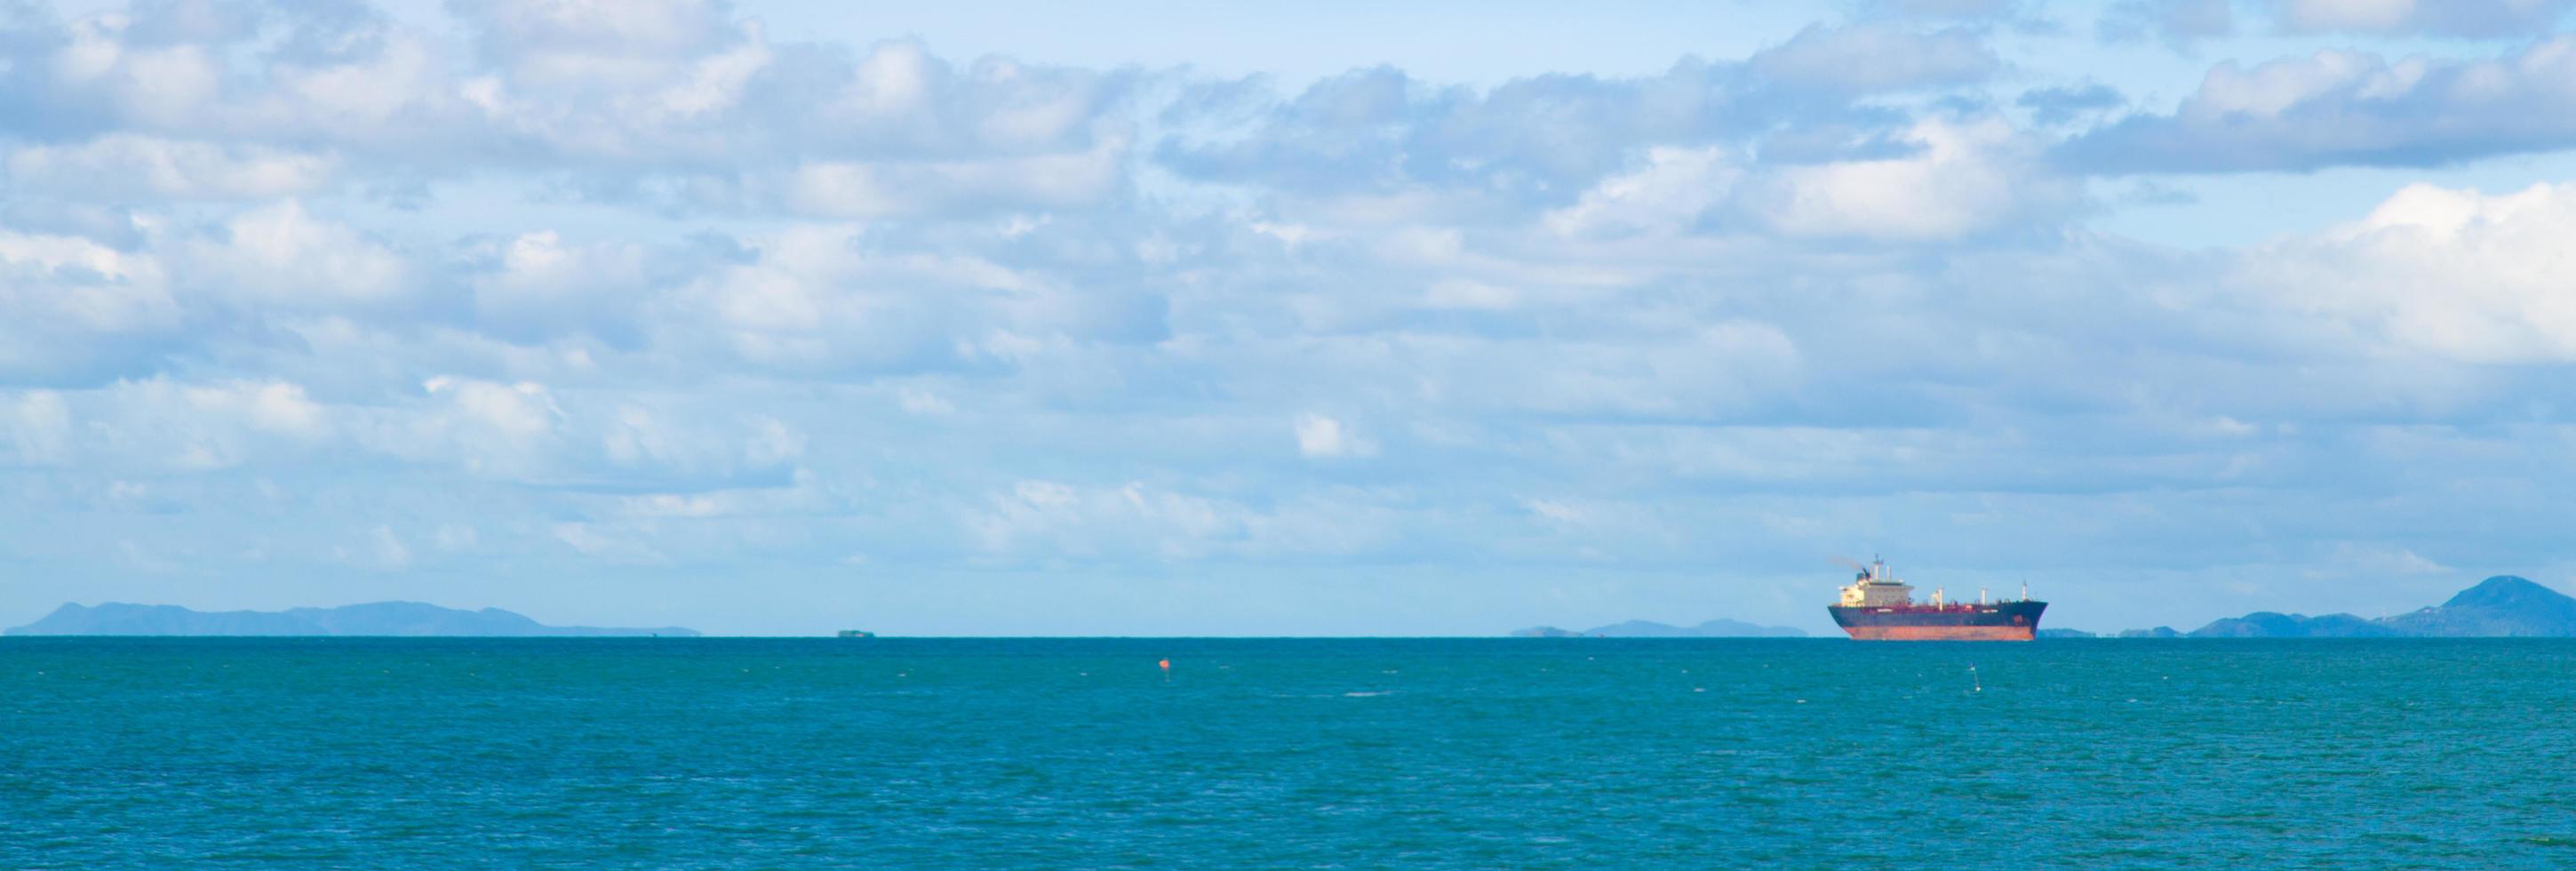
{"points": [[1286, 752]]}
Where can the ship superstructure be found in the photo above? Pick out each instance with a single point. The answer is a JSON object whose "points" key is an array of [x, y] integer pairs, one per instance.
{"points": [[1878, 607]]}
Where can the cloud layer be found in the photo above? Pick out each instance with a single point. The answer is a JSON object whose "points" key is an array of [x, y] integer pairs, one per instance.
{"points": [[650, 313]]}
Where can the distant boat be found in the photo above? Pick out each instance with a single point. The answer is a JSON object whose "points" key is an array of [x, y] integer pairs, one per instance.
{"points": [[857, 633]]}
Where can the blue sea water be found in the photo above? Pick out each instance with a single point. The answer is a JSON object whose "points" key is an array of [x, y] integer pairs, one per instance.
{"points": [[1484, 752]]}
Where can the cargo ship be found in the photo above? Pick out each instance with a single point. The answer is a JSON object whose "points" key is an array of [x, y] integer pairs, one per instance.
{"points": [[1878, 607]]}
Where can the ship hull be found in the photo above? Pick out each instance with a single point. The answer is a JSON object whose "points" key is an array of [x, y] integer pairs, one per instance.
{"points": [[2006, 621]]}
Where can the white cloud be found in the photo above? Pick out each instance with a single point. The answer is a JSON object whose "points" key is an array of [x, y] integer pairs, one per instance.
{"points": [[70, 306], [1323, 437], [607, 544], [2379, 559], [805, 497], [1059, 518], [1673, 189], [1866, 58], [889, 189], [1462, 293], [487, 427], [129, 165], [163, 86], [916, 400], [1053, 521], [587, 43], [1968, 177], [276, 408], [167, 425], [2336, 107], [1701, 298], [2456, 273], [534, 284], [2494, 18], [281, 255], [641, 438], [1556, 512], [455, 537], [39, 428], [386, 550]]}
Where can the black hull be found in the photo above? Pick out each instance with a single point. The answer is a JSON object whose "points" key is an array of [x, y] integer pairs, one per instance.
{"points": [[2003, 621]]}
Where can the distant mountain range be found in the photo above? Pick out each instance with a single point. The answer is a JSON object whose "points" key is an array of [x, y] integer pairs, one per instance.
{"points": [[377, 618], [2501, 606], [1650, 629]]}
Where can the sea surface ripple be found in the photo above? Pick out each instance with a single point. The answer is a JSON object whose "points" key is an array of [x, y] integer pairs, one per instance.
{"points": [[1285, 752]]}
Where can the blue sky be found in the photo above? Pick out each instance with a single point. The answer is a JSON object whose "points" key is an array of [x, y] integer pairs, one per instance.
{"points": [[1160, 318]]}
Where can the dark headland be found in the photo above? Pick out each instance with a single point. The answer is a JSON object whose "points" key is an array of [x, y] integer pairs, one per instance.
{"points": [[414, 619]]}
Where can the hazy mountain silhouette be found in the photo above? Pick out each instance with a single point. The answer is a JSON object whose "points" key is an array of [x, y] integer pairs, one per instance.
{"points": [[376, 618]]}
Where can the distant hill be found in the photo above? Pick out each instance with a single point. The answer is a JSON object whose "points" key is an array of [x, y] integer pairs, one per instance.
{"points": [[2501, 606], [1720, 628], [377, 618], [2267, 624]]}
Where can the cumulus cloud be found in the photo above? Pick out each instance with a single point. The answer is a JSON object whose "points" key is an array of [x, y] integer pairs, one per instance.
{"points": [[536, 285], [282, 255], [849, 189], [383, 550], [2475, 18], [1968, 177], [666, 100], [1538, 142], [2455, 274], [39, 425], [1952, 178], [1056, 521], [609, 544], [1870, 58], [1324, 437], [823, 299], [1953, 8], [2344, 108], [1668, 194], [164, 425], [612, 289], [130, 166], [73, 310]]}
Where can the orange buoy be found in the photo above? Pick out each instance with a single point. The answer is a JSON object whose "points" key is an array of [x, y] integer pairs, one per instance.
{"points": [[1165, 663]]}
